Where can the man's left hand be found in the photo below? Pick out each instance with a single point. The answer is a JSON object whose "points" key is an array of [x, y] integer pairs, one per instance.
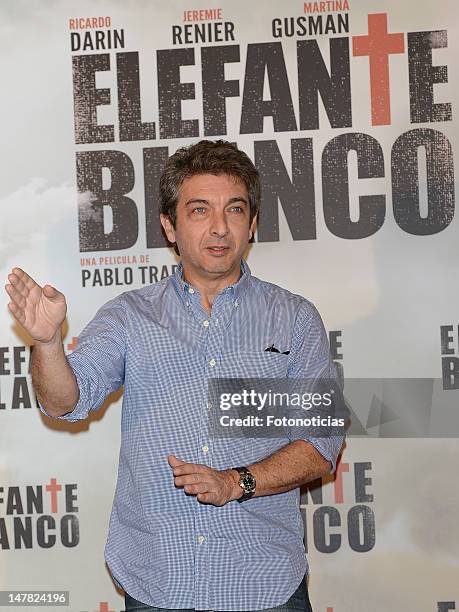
{"points": [[210, 486]]}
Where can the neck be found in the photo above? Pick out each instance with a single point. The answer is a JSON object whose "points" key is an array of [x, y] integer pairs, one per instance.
{"points": [[210, 287]]}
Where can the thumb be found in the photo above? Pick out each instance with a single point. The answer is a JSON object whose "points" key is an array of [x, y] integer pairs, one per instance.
{"points": [[174, 462], [50, 292]]}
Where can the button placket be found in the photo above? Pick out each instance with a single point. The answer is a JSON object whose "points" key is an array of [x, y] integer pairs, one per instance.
{"points": [[211, 341], [201, 556], [215, 327]]}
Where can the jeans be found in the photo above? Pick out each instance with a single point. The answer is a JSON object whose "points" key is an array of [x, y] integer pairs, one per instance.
{"points": [[298, 602]]}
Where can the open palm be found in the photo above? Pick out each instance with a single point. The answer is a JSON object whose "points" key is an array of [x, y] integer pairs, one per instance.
{"points": [[40, 310]]}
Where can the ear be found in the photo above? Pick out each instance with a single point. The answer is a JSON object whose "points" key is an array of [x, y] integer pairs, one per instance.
{"points": [[168, 227], [252, 227]]}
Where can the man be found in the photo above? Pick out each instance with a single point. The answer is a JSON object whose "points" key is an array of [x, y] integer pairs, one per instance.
{"points": [[198, 522]]}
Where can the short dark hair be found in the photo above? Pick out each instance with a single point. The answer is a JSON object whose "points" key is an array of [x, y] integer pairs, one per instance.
{"points": [[207, 157]]}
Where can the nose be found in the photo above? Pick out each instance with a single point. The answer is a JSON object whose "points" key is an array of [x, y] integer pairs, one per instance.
{"points": [[219, 224]]}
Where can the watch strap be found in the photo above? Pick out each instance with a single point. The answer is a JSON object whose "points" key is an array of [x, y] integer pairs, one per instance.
{"points": [[243, 471]]}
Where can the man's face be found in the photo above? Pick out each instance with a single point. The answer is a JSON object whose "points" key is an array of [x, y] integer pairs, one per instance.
{"points": [[212, 227]]}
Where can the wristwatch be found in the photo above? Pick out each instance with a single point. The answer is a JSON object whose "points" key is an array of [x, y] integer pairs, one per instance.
{"points": [[247, 483]]}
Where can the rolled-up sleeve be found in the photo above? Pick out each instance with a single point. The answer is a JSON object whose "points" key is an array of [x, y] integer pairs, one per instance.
{"points": [[310, 359], [98, 361]]}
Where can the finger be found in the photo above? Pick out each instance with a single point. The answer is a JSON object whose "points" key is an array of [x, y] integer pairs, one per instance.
{"points": [[19, 302], [194, 489], [173, 461], [189, 479], [17, 312], [15, 295], [18, 285], [190, 468], [205, 498], [25, 278]]}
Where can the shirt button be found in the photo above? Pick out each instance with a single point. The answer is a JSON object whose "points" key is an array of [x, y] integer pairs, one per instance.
{"points": [[206, 323], [212, 362], [201, 539], [209, 406], [236, 303], [205, 449], [190, 290]]}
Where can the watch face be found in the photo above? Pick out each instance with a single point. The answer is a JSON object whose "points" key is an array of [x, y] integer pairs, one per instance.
{"points": [[249, 482]]}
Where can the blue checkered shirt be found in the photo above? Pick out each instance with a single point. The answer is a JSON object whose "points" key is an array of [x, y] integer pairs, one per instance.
{"points": [[165, 548]]}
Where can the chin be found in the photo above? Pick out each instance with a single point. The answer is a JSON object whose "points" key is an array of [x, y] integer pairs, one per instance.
{"points": [[218, 267]]}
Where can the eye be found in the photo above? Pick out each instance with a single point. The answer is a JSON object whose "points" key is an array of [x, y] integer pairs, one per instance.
{"points": [[199, 210], [237, 209]]}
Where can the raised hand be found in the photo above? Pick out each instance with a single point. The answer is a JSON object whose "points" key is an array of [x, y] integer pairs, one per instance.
{"points": [[40, 310]]}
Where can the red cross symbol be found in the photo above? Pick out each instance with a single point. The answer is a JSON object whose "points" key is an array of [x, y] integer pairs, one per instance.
{"points": [[378, 45], [73, 344], [53, 488]]}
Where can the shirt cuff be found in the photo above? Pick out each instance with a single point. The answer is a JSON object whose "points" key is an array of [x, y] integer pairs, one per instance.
{"points": [[80, 410], [329, 448]]}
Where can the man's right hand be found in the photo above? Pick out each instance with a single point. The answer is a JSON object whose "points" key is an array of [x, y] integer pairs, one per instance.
{"points": [[40, 310]]}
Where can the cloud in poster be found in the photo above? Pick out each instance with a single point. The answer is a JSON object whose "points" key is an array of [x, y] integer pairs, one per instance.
{"points": [[31, 213]]}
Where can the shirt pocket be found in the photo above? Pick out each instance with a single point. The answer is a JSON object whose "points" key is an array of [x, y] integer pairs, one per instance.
{"points": [[254, 364], [246, 371]]}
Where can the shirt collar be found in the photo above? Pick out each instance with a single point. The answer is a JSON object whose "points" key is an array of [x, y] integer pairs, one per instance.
{"points": [[234, 291]]}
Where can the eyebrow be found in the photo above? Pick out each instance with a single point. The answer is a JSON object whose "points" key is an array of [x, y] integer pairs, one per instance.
{"points": [[230, 201]]}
